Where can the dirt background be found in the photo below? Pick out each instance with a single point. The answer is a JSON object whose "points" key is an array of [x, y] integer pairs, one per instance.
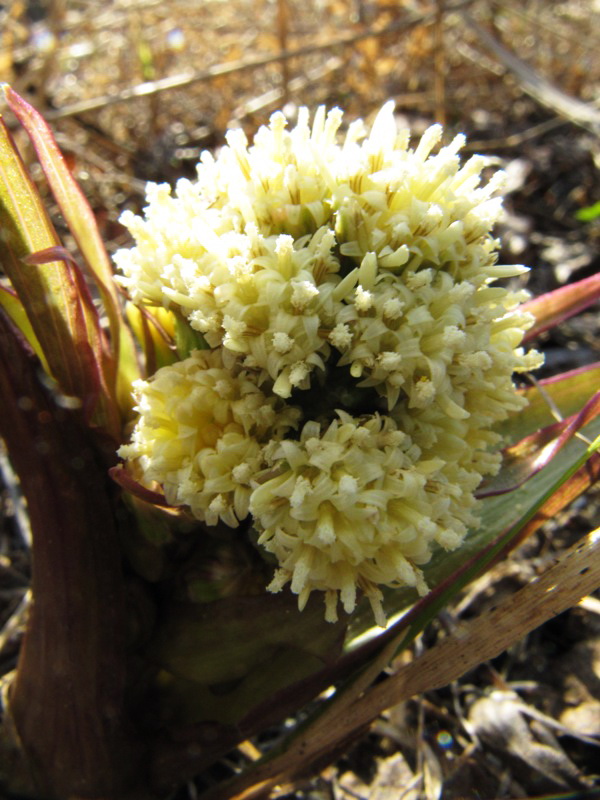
{"points": [[136, 89]]}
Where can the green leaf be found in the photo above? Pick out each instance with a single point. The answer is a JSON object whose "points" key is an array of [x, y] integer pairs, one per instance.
{"points": [[14, 308], [154, 329], [589, 213], [185, 702], [526, 458], [187, 339], [73, 205], [227, 656], [236, 633], [120, 368], [53, 294], [552, 399]]}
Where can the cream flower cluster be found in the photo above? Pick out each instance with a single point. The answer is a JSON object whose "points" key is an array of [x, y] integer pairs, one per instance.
{"points": [[359, 353], [200, 434]]}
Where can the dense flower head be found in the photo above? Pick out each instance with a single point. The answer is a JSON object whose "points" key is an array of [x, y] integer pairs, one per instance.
{"points": [[200, 434], [359, 351], [360, 508]]}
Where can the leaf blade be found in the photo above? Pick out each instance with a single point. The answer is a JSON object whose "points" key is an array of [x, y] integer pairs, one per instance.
{"points": [[48, 293], [554, 307], [566, 393], [73, 205]]}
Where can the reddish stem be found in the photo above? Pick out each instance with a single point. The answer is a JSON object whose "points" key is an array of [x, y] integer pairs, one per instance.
{"points": [[67, 699]]}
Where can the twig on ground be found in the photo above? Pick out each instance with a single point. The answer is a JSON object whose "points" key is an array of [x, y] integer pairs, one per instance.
{"points": [[535, 86], [276, 96], [187, 78], [11, 482]]}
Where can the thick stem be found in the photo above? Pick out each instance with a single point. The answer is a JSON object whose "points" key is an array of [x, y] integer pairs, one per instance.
{"points": [[67, 700]]}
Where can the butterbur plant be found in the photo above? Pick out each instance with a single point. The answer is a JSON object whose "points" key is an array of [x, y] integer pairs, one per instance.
{"points": [[359, 351], [305, 399]]}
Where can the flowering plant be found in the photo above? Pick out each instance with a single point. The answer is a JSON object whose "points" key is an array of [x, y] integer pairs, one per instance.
{"points": [[359, 354], [325, 383]]}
